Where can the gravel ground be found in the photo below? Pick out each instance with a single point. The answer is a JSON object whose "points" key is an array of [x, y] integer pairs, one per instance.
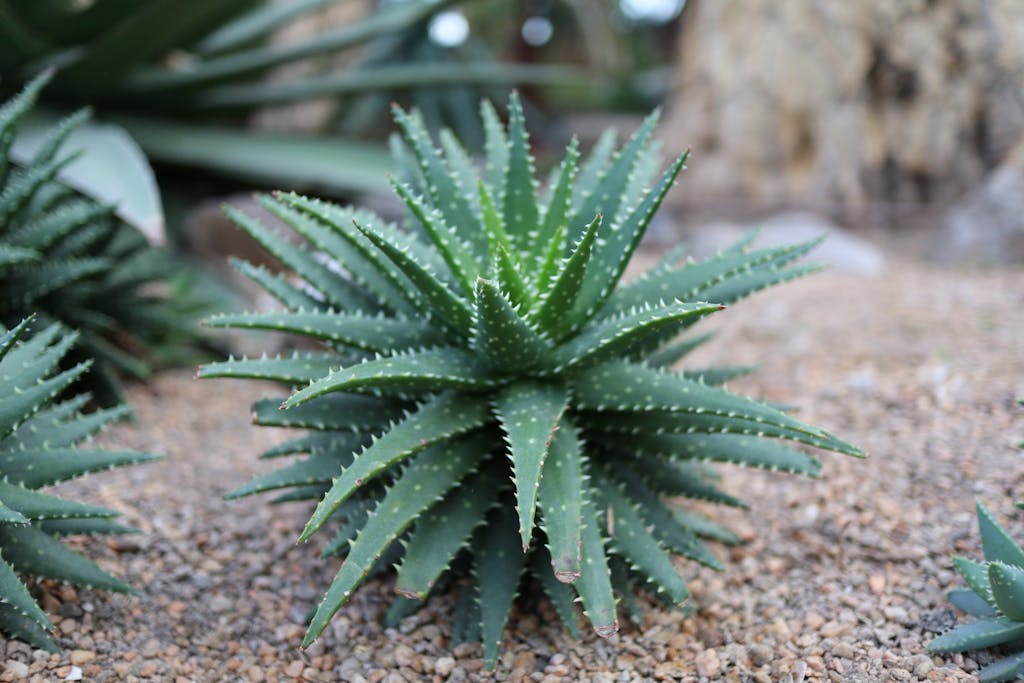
{"points": [[842, 578]]}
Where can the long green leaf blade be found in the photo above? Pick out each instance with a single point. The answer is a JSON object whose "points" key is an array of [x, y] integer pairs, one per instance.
{"points": [[594, 585], [519, 205], [415, 371], [35, 552], [528, 413], [435, 421], [428, 478], [561, 500], [614, 337], [499, 564], [375, 333], [631, 538], [442, 531], [996, 543]]}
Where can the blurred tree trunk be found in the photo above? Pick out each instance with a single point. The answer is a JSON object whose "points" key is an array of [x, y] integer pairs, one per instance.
{"points": [[845, 103]]}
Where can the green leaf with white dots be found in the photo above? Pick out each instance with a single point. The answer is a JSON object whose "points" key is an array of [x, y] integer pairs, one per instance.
{"points": [[423, 482], [316, 469], [622, 386], [680, 479], [442, 531], [749, 451], [555, 219], [17, 597], [444, 187], [335, 412], [294, 369], [503, 337], [555, 303], [607, 195], [528, 413], [561, 500], [365, 332], [706, 528], [495, 146], [34, 552], [1005, 669], [662, 524], [560, 594], [976, 576], [977, 635], [631, 538], [278, 286], [452, 311], [723, 278], [42, 467], [612, 254], [1007, 583], [996, 543], [671, 354], [333, 228], [61, 426], [594, 585], [500, 251], [416, 371], [9, 337], [614, 337], [519, 205], [338, 292], [34, 505], [678, 422], [438, 420], [499, 564], [455, 253]]}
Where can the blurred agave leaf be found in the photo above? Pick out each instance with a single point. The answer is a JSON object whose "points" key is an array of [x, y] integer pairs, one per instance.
{"points": [[183, 78], [384, 78], [264, 158], [109, 167]]}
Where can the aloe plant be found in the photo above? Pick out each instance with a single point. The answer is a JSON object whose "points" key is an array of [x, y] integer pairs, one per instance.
{"points": [[38, 449], [68, 259], [995, 597], [492, 398]]}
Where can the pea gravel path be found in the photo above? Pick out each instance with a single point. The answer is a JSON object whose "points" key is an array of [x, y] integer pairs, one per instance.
{"points": [[842, 579]]}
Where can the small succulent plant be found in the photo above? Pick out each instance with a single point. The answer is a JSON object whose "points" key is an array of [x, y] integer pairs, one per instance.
{"points": [[68, 259], [492, 401], [995, 596], [37, 449]]}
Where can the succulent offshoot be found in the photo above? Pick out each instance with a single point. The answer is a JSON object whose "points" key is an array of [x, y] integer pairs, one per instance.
{"points": [[491, 395], [994, 596]]}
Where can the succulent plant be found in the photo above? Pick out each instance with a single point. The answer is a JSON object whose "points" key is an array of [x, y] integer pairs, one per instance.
{"points": [[491, 399], [68, 259], [38, 449], [995, 596]]}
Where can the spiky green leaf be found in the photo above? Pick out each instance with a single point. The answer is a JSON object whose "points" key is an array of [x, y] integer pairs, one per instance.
{"points": [[435, 421], [442, 531], [499, 564], [561, 500], [528, 413], [432, 474], [996, 543]]}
